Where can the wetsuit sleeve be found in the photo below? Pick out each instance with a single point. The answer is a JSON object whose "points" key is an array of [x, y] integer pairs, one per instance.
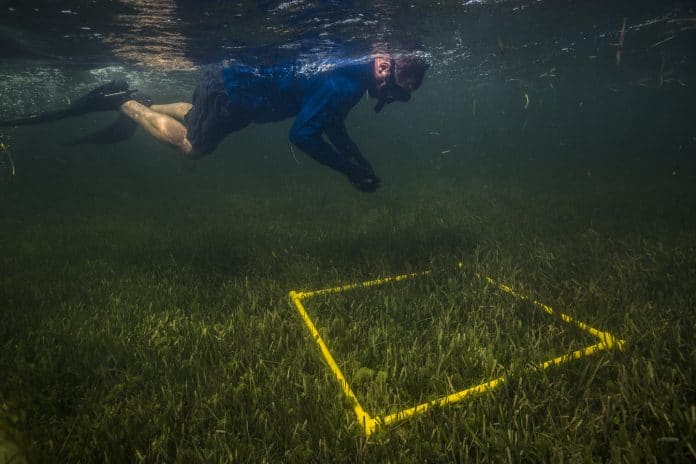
{"points": [[324, 112], [338, 135]]}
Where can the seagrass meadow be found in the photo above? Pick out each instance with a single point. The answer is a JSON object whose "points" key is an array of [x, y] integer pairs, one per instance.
{"points": [[145, 311], [539, 188]]}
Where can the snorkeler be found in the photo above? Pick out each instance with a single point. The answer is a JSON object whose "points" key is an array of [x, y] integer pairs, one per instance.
{"points": [[231, 95]]}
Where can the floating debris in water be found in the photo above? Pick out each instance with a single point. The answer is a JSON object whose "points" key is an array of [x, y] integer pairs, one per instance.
{"points": [[662, 70], [619, 46], [662, 41], [6, 149], [293, 154]]}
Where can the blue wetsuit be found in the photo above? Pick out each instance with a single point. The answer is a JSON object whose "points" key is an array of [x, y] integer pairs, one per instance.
{"points": [[231, 95]]}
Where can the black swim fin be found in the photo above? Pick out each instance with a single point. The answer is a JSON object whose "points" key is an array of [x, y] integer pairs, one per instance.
{"points": [[122, 128], [104, 98], [37, 118]]}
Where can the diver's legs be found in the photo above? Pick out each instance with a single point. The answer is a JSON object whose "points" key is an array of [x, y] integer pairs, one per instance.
{"points": [[175, 110], [163, 127]]}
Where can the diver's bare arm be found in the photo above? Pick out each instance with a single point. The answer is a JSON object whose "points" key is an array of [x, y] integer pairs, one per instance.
{"points": [[161, 126], [175, 110]]}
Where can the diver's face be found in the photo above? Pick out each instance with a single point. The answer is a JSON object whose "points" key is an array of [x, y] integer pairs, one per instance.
{"points": [[385, 88], [382, 70]]}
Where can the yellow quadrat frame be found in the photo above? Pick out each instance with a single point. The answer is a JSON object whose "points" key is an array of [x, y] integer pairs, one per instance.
{"points": [[369, 423]]}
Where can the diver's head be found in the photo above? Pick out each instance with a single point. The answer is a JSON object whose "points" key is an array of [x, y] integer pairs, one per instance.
{"points": [[396, 77]]}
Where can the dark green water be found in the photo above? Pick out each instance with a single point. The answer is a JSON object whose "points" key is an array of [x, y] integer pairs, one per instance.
{"points": [[530, 149], [516, 89], [583, 107]]}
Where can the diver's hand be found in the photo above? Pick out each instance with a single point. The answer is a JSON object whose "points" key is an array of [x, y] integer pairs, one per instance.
{"points": [[360, 173], [363, 179], [368, 184]]}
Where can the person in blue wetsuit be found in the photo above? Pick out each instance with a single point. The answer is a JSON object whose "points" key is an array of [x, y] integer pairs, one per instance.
{"points": [[232, 95]]}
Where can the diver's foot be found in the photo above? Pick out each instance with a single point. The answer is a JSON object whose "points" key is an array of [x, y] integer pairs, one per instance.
{"points": [[142, 99], [121, 129], [106, 97]]}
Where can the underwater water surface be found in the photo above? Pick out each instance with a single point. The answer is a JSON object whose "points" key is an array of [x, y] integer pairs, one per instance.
{"points": [[144, 297]]}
